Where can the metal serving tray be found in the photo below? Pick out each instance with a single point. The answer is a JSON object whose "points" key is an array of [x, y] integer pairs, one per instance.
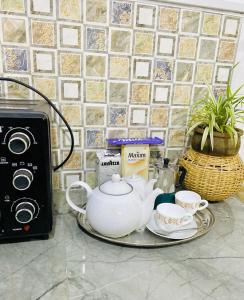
{"points": [[146, 239]]}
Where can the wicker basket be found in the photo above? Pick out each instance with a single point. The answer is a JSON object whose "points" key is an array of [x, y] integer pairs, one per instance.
{"points": [[214, 178]]}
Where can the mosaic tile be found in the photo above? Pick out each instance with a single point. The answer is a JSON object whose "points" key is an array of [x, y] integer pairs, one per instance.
{"points": [[96, 65], [120, 41], [208, 48], [168, 18], [15, 6], [56, 181], [117, 116], [219, 91], [90, 159], [227, 50], [17, 91], [166, 45], [142, 69], [161, 93], [174, 155], [138, 116], [96, 39], [159, 116], [231, 26], [43, 33], [190, 21], [176, 137], [91, 178], [95, 91], [41, 7], [145, 16], [137, 133], [121, 13], [75, 161], [15, 60], [94, 138], [187, 47], [70, 89], [222, 74], [116, 133], [95, 115], [119, 67], [70, 177], [204, 73], [70, 9], [96, 11], [161, 133], [70, 36], [182, 94], [72, 114], [118, 92], [163, 70], [211, 24], [65, 137], [44, 61], [178, 116], [45, 85], [54, 137], [143, 43], [14, 30], [199, 92], [140, 93], [70, 63], [184, 71]]}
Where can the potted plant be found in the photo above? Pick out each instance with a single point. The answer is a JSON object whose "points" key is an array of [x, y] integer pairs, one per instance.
{"points": [[213, 123]]}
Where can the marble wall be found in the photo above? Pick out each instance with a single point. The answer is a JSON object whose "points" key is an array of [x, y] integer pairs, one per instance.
{"points": [[115, 69]]}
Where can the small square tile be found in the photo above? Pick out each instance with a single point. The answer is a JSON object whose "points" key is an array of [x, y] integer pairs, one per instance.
{"points": [[96, 65], [75, 161], [144, 43], [178, 116], [145, 16], [117, 116], [95, 91], [43, 33], [176, 137], [142, 69], [204, 73], [211, 24], [231, 26], [54, 137], [159, 116], [96, 39], [227, 51], [66, 140], [137, 133], [71, 177], [120, 41], [208, 48], [161, 93], [44, 61], [174, 154], [222, 74], [70, 9], [14, 30], [95, 138], [70, 89], [166, 45], [113, 133], [168, 19], [219, 91], [47, 86], [90, 159], [17, 91], [72, 114], [187, 47], [190, 21], [140, 93], [160, 133], [95, 115], [119, 67], [13, 6], [70, 36], [184, 71], [15, 60], [182, 94], [41, 7], [138, 116], [200, 92], [121, 13], [91, 178], [163, 70], [70, 63], [118, 92], [96, 11]]}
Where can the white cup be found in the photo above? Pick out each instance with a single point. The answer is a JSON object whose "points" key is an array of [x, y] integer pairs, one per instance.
{"points": [[170, 217], [190, 201]]}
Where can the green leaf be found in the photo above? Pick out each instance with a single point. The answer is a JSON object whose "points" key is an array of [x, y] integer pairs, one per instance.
{"points": [[204, 137]]}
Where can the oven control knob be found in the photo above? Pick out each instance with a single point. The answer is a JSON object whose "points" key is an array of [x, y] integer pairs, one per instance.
{"points": [[22, 179], [19, 142], [24, 212]]}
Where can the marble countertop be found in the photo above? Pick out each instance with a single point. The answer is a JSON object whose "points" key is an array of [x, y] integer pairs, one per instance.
{"points": [[72, 265]]}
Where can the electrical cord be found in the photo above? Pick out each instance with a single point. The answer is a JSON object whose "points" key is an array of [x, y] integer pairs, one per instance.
{"points": [[55, 109]]}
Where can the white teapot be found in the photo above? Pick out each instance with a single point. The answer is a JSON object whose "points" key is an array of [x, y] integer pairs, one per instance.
{"points": [[115, 208]]}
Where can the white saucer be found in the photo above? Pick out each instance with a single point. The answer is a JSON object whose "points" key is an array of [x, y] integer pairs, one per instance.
{"points": [[175, 235]]}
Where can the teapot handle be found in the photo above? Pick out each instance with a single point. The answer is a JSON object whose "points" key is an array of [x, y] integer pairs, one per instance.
{"points": [[68, 199]]}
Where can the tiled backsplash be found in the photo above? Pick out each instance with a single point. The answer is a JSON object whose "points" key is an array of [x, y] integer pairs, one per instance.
{"points": [[115, 69]]}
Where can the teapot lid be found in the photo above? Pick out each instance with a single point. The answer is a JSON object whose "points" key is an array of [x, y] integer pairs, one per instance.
{"points": [[116, 186]]}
